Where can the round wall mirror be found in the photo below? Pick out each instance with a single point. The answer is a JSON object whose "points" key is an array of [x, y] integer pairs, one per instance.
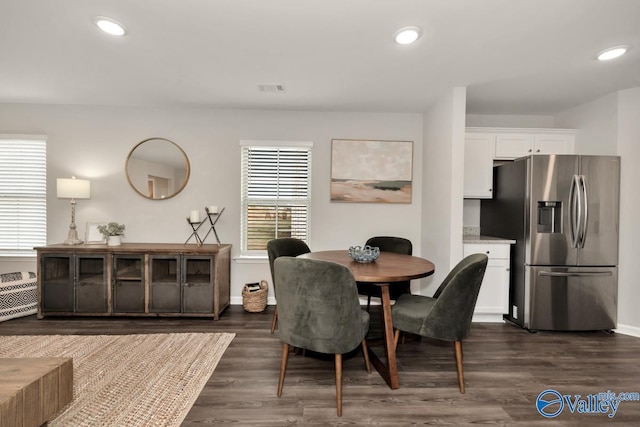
{"points": [[157, 168]]}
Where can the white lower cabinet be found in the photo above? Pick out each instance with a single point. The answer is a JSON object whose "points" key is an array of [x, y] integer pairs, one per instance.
{"points": [[493, 299]]}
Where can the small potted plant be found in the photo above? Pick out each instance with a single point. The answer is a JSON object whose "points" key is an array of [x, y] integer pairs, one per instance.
{"points": [[112, 232]]}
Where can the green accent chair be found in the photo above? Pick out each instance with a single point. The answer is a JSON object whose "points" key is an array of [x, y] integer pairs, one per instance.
{"points": [[319, 311], [447, 315], [397, 245], [286, 246]]}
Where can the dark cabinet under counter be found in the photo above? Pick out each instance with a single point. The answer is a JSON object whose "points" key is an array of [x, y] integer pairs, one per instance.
{"points": [[197, 286], [57, 271], [128, 291], [134, 279], [165, 283]]}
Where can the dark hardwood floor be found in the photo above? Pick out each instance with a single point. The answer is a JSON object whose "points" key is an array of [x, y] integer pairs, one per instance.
{"points": [[505, 370]]}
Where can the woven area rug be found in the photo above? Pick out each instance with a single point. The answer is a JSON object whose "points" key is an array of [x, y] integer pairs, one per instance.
{"points": [[128, 380]]}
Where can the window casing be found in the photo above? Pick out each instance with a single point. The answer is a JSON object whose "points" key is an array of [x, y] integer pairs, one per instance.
{"points": [[23, 194], [276, 193]]}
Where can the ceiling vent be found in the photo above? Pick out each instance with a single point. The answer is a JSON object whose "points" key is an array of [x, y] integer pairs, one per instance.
{"points": [[272, 88]]}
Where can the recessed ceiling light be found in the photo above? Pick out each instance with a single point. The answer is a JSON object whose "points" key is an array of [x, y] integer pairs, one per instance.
{"points": [[407, 35], [110, 26], [612, 52]]}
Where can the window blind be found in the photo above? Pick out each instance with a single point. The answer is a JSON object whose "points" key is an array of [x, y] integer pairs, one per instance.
{"points": [[23, 194], [276, 190]]}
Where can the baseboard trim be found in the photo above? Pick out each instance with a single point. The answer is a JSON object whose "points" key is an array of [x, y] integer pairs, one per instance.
{"points": [[487, 318], [238, 301], [633, 331], [272, 301]]}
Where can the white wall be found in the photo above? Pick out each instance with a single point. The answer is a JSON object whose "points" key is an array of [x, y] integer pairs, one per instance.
{"points": [[610, 125], [93, 143], [509, 121], [629, 149], [442, 182], [597, 125], [13, 264]]}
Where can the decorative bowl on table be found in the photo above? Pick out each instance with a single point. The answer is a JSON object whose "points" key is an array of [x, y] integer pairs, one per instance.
{"points": [[364, 254]]}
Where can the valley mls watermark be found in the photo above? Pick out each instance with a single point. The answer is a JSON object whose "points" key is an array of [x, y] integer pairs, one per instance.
{"points": [[550, 403]]}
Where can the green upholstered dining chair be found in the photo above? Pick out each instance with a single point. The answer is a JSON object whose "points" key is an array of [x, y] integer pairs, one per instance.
{"points": [[286, 246], [319, 311], [398, 245], [447, 315]]}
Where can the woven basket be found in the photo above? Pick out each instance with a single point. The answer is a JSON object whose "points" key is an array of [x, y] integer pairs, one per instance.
{"points": [[255, 302]]}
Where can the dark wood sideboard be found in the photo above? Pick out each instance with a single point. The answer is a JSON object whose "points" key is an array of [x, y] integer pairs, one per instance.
{"points": [[134, 279]]}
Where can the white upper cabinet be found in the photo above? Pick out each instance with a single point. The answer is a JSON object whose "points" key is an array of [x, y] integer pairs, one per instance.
{"points": [[514, 143], [484, 145], [553, 143], [478, 165]]}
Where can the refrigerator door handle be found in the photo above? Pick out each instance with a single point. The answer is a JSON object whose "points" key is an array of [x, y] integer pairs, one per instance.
{"points": [[574, 217], [574, 274], [583, 231]]}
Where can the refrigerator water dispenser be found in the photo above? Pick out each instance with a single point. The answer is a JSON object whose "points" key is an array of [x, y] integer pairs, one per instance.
{"points": [[549, 217]]}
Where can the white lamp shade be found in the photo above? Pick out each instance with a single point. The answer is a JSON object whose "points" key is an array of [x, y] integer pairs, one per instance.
{"points": [[72, 188]]}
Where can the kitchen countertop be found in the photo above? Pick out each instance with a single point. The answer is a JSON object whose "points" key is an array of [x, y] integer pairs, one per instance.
{"points": [[482, 239]]}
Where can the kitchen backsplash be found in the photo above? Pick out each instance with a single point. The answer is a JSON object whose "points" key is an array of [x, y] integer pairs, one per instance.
{"points": [[469, 230]]}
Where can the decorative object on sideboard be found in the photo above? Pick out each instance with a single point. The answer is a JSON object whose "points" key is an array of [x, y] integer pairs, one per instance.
{"points": [[92, 235], [212, 212], [157, 168], [194, 221], [364, 254], [72, 188], [113, 232]]}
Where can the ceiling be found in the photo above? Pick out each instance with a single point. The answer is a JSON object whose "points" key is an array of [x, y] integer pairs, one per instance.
{"points": [[514, 57]]}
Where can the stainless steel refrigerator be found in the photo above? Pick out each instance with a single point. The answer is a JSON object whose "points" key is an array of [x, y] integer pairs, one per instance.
{"points": [[563, 211]]}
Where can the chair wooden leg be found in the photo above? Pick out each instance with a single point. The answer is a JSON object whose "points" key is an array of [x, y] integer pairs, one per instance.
{"points": [[283, 366], [458, 348], [368, 303], [275, 320], [339, 383], [365, 351], [396, 337]]}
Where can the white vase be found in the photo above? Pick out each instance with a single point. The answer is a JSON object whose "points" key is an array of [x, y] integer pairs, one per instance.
{"points": [[114, 241]]}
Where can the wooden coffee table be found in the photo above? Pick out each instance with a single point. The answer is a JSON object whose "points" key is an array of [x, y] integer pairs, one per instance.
{"points": [[33, 390]]}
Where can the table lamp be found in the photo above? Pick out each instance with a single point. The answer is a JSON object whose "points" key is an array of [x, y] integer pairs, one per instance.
{"points": [[72, 188]]}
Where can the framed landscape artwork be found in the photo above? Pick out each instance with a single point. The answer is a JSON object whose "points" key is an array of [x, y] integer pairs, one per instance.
{"points": [[365, 171]]}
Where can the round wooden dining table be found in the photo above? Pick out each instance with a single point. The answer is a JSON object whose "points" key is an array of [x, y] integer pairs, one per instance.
{"points": [[388, 269]]}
